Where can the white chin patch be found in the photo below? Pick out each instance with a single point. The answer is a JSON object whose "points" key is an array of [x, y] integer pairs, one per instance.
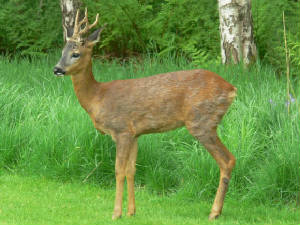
{"points": [[59, 74]]}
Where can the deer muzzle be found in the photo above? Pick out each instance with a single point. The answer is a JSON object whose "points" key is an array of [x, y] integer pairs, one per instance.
{"points": [[59, 71]]}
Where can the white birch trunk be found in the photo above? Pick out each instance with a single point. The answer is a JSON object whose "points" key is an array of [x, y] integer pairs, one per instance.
{"points": [[236, 31], [69, 9], [248, 45]]}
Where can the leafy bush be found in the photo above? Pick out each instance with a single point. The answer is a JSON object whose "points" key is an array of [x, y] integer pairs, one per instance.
{"points": [[187, 26], [268, 29], [183, 27], [29, 27]]}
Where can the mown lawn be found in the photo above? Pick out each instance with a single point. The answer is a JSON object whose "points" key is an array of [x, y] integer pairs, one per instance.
{"points": [[39, 201]]}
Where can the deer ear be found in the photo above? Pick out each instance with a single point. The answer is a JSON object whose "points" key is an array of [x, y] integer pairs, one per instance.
{"points": [[95, 36]]}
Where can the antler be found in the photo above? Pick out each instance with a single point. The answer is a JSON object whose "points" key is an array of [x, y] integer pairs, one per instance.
{"points": [[78, 32]]}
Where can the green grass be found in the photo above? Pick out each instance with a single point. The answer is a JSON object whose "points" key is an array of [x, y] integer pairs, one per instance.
{"points": [[39, 201], [44, 132]]}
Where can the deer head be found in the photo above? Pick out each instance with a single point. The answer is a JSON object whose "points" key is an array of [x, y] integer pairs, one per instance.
{"points": [[77, 52]]}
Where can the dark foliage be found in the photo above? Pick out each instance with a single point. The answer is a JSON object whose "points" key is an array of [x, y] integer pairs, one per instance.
{"points": [[186, 27]]}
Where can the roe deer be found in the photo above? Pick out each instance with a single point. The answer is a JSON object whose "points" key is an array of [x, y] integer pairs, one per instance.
{"points": [[126, 109]]}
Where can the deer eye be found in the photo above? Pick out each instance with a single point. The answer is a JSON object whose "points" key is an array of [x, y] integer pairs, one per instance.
{"points": [[75, 55]]}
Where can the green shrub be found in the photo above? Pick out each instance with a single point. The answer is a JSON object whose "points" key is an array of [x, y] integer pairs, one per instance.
{"points": [[268, 29], [28, 28], [186, 26], [189, 28]]}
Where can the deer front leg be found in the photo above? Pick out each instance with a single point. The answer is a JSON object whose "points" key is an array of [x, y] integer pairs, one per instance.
{"points": [[124, 145], [130, 172]]}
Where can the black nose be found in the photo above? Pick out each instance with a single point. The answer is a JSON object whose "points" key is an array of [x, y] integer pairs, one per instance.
{"points": [[58, 71]]}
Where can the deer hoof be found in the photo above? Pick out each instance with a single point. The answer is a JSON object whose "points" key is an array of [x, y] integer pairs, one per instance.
{"points": [[116, 216], [129, 214], [213, 216]]}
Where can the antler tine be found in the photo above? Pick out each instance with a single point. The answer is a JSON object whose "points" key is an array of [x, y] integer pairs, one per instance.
{"points": [[95, 23], [88, 27], [75, 31], [85, 19], [77, 26]]}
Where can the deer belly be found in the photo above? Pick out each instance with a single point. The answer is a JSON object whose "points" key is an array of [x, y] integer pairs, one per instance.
{"points": [[151, 125]]}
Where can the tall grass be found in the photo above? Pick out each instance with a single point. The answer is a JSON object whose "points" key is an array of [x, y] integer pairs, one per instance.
{"points": [[45, 132]]}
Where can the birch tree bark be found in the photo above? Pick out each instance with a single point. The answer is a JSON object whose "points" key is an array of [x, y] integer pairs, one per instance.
{"points": [[69, 9], [236, 29]]}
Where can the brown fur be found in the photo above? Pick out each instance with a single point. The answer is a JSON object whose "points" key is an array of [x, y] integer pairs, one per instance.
{"points": [[126, 109]]}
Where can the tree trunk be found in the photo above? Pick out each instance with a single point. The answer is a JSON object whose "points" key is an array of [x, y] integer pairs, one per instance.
{"points": [[236, 29], [69, 9]]}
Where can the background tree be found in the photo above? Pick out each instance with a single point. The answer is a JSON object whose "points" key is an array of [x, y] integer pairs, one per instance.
{"points": [[236, 29], [68, 9]]}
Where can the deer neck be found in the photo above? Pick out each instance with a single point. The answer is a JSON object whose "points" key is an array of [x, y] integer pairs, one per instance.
{"points": [[85, 86]]}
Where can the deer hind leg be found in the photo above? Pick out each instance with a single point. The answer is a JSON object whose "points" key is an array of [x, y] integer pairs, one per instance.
{"points": [[125, 144], [226, 162], [205, 132]]}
